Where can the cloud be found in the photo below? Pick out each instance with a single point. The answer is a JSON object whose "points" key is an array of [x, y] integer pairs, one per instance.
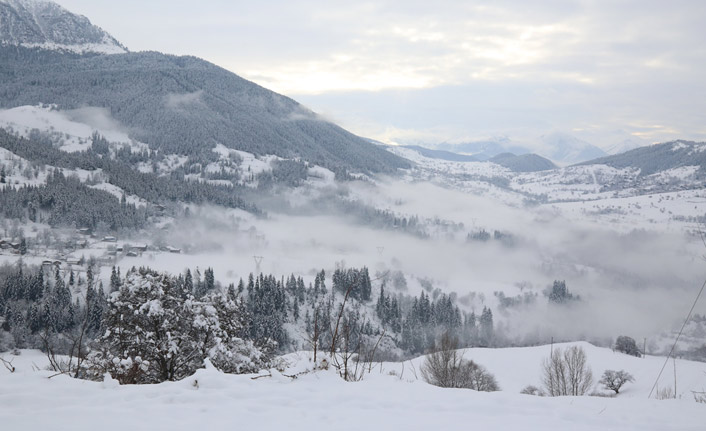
{"points": [[183, 101], [97, 118], [468, 71], [636, 283]]}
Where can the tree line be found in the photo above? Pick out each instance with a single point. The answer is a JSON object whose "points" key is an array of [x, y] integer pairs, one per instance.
{"points": [[48, 308]]}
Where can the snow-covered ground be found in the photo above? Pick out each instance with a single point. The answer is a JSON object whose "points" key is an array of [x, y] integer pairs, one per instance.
{"points": [[119, 193], [70, 130], [386, 398], [98, 48], [668, 200]]}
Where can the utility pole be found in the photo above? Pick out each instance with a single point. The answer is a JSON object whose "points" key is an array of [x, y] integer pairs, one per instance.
{"points": [[674, 358], [644, 348]]}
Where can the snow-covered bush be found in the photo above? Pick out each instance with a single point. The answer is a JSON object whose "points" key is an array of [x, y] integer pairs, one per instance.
{"points": [[220, 328], [154, 332], [627, 345]]}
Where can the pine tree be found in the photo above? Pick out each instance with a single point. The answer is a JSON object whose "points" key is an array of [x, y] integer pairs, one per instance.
{"points": [[198, 283], [232, 294], [380, 307], [188, 282], [89, 275], [36, 286], [295, 310], [114, 280], [210, 280], [251, 286], [486, 326], [301, 290]]}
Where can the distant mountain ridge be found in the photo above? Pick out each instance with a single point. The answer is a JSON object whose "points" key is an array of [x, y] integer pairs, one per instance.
{"points": [[565, 148], [484, 150], [658, 157], [523, 163], [33, 23], [441, 154], [558, 147]]}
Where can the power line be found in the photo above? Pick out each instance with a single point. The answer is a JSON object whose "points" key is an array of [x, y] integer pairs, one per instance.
{"points": [[688, 316]]}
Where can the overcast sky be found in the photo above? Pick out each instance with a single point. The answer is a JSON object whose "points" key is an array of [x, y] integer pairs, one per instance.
{"points": [[433, 71]]}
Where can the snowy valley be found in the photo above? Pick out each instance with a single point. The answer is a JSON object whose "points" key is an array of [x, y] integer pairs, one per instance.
{"points": [[181, 247]]}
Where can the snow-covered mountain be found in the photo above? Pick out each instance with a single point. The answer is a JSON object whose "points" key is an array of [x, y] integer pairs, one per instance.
{"points": [[559, 147], [43, 24], [564, 148], [625, 145], [177, 105], [659, 157], [442, 154], [486, 149], [523, 163]]}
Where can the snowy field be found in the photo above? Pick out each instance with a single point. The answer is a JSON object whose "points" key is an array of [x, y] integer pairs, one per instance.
{"points": [[387, 398]]}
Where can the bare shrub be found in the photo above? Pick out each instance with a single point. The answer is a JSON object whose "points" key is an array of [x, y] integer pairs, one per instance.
{"points": [[614, 380], [533, 390], [602, 395], [443, 367], [567, 373], [446, 368], [478, 377], [665, 393]]}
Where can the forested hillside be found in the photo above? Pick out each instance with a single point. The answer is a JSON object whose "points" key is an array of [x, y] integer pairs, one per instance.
{"points": [[658, 157], [89, 207], [185, 105]]}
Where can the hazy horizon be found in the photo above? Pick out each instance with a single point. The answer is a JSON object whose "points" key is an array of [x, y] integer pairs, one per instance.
{"points": [[412, 73]]}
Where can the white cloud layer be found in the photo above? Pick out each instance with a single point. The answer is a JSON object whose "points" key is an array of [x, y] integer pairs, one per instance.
{"points": [[513, 67]]}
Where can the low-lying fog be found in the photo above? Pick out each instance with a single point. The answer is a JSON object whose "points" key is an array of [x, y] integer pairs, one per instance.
{"points": [[638, 283]]}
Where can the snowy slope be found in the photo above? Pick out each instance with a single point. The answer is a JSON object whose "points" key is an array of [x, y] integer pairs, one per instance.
{"points": [[625, 145], [69, 130], [46, 25], [321, 400], [622, 196]]}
